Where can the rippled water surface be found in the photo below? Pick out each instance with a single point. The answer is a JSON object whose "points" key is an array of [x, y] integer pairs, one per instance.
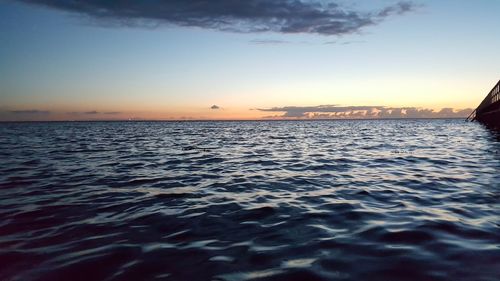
{"points": [[318, 200]]}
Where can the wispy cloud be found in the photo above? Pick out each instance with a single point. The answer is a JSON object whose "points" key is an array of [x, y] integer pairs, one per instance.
{"points": [[344, 42], [268, 42], [30, 112], [343, 112], [353, 42], [282, 16], [94, 112]]}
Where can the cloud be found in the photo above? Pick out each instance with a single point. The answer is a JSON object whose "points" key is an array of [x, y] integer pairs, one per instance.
{"points": [[356, 112], [344, 42], [353, 42], [302, 111], [398, 9], [269, 42], [214, 107], [282, 16], [30, 112], [94, 112], [9, 114]]}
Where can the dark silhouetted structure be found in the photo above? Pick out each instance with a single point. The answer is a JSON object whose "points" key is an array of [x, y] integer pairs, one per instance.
{"points": [[488, 112]]}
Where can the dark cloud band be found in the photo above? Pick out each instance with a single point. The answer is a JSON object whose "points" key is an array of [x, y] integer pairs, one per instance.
{"points": [[283, 16]]}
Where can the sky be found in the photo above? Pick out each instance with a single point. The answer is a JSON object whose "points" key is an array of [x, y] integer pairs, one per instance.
{"points": [[254, 59]]}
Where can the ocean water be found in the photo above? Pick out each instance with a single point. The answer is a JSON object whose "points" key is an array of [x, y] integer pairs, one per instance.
{"points": [[266, 200]]}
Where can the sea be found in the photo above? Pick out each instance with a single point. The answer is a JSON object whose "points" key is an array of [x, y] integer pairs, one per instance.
{"points": [[353, 200]]}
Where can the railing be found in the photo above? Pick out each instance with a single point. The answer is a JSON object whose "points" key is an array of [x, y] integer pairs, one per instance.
{"points": [[472, 116], [492, 97]]}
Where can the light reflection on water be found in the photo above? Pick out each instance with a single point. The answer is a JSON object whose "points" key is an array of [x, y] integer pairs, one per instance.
{"points": [[267, 200]]}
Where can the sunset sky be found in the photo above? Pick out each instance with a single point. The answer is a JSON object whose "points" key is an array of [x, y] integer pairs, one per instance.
{"points": [[86, 60]]}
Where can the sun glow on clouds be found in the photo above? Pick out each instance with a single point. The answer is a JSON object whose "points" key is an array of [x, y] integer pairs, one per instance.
{"points": [[361, 112]]}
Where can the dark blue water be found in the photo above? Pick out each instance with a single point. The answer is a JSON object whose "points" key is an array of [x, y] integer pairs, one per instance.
{"points": [[319, 200]]}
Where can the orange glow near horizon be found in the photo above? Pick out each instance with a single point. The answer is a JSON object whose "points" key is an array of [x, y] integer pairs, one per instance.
{"points": [[136, 106]]}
